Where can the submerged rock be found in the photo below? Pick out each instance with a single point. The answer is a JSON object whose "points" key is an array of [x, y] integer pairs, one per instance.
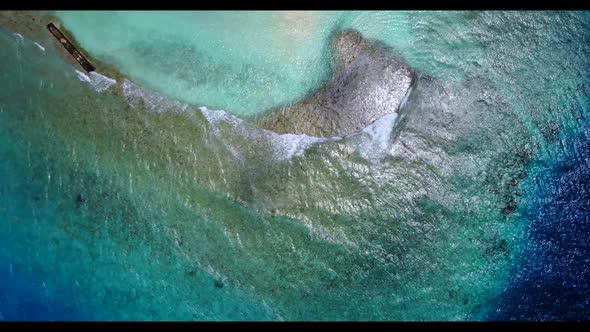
{"points": [[368, 82]]}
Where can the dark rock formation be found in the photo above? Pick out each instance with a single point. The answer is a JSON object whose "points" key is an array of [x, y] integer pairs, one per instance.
{"points": [[368, 82]]}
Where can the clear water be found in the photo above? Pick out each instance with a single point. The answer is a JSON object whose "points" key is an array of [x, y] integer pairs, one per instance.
{"points": [[243, 62], [551, 281], [128, 204], [247, 63]]}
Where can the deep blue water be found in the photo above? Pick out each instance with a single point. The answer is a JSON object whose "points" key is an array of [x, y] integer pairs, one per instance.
{"points": [[552, 279], [25, 299]]}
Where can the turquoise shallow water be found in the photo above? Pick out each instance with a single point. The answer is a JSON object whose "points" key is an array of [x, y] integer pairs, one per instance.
{"points": [[245, 62], [249, 62], [119, 205]]}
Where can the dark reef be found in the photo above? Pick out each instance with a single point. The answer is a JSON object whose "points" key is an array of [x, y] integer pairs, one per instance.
{"points": [[368, 82]]}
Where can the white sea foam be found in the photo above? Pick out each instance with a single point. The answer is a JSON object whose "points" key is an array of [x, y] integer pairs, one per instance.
{"points": [[216, 116], [380, 130], [374, 141], [97, 81], [152, 101], [82, 77], [283, 146], [287, 146], [40, 46], [100, 82], [405, 99], [19, 37], [213, 116]]}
